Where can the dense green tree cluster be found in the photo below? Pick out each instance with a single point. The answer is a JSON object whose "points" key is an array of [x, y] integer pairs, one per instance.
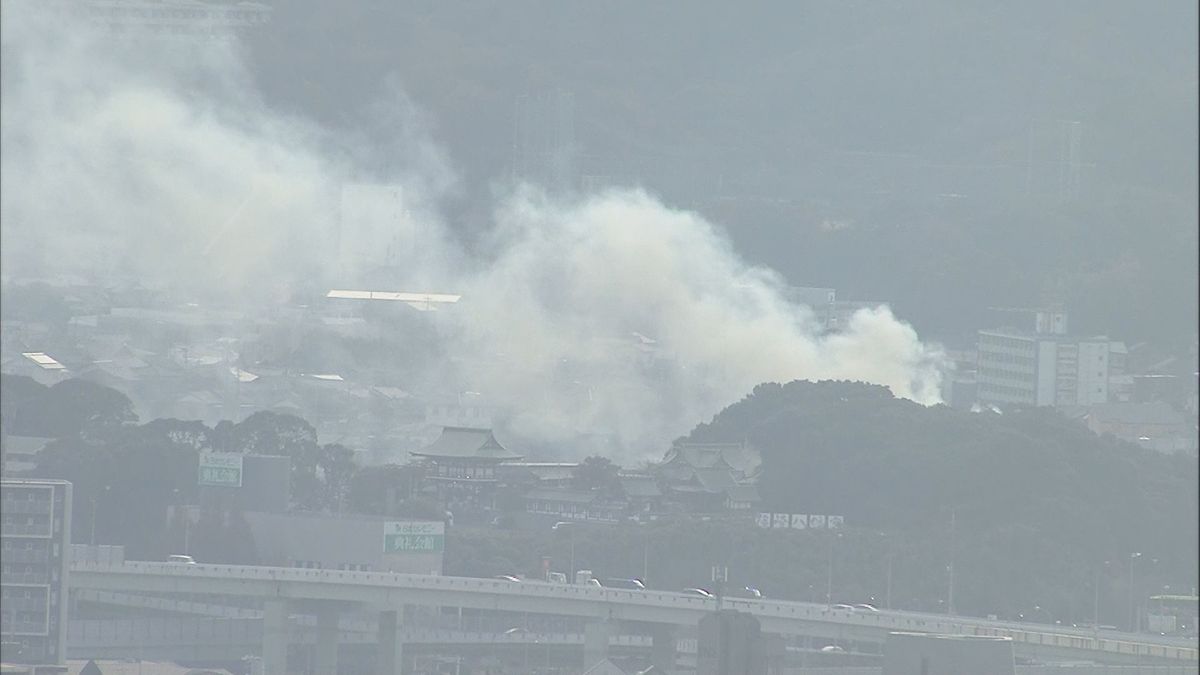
{"points": [[1027, 507], [1027, 504], [597, 473], [126, 474]]}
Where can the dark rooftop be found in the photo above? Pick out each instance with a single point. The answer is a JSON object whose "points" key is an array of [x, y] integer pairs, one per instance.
{"points": [[467, 443]]}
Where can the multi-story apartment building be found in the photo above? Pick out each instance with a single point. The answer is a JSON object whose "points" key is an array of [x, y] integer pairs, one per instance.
{"points": [[35, 530], [830, 313], [1047, 367]]}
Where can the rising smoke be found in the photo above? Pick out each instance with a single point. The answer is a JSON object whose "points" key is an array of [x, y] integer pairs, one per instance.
{"points": [[608, 314]]}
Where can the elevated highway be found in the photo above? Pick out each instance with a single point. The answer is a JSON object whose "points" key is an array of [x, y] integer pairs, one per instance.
{"points": [[225, 639], [333, 591]]}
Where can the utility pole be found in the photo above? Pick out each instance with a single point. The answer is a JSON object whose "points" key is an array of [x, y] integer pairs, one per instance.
{"points": [[887, 598], [829, 579], [646, 558], [1133, 623], [95, 508], [571, 533], [950, 594], [93, 537]]}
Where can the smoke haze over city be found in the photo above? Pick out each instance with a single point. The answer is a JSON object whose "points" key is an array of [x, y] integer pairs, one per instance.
{"points": [[158, 162]]}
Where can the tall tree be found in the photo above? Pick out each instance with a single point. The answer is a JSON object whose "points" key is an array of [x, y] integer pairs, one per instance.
{"points": [[597, 473]]}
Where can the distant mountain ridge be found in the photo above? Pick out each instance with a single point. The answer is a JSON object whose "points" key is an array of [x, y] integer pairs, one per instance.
{"points": [[933, 134]]}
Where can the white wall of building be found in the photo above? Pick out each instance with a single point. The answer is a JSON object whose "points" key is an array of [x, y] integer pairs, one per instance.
{"points": [[1047, 372], [1092, 384]]}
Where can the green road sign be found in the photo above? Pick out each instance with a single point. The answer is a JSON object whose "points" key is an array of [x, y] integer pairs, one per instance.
{"points": [[220, 469], [413, 537]]}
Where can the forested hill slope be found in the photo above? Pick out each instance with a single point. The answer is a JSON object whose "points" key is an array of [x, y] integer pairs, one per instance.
{"points": [[1026, 483]]}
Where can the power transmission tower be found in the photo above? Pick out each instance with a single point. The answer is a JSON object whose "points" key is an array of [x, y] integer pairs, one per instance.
{"points": [[1068, 159], [544, 148]]}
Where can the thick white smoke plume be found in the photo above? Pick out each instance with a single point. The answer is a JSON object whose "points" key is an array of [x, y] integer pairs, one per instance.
{"points": [[611, 314]]}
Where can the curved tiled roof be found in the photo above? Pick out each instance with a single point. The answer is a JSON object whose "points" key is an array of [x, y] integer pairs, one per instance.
{"points": [[467, 443]]}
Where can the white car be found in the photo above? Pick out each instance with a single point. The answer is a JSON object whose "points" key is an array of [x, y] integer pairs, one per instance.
{"points": [[698, 592], [833, 649], [864, 607], [181, 559]]}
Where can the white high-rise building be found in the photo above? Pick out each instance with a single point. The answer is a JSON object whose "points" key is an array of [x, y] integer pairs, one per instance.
{"points": [[35, 529], [1047, 367]]}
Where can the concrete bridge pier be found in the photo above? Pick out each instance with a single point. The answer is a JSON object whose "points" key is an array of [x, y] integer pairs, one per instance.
{"points": [[391, 648], [662, 648], [596, 635], [275, 636], [327, 639]]}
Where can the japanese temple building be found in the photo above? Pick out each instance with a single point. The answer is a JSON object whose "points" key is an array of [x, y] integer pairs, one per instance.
{"points": [[462, 467]]}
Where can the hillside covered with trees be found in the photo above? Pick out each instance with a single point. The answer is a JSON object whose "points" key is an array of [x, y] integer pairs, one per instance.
{"points": [[1026, 504]]}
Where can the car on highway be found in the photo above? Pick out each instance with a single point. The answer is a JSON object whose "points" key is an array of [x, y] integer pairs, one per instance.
{"points": [[700, 592], [507, 577], [864, 607], [833, 649], [627, 584], [181, 559], [749, 592], [844, 608]]}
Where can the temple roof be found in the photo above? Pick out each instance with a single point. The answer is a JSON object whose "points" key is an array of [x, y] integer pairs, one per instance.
{"points": [[467, 443]]}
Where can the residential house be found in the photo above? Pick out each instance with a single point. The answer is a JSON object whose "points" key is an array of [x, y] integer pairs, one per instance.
{"points": [[20, 453], [1154, 426]]}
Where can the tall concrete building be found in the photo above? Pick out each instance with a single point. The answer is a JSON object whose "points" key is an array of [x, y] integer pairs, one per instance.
{"points": [[830, 313], [1048, 367], [35, 530], [544, 148]]}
